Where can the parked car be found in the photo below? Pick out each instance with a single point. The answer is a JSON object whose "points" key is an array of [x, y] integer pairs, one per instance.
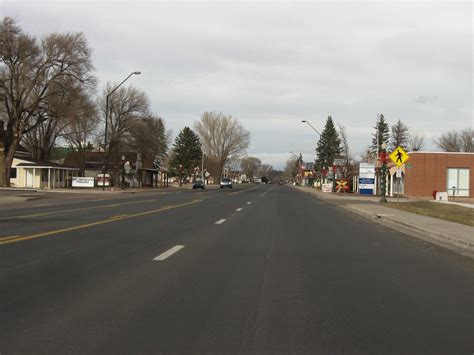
{"points": [[198, 184], [226, 182]]}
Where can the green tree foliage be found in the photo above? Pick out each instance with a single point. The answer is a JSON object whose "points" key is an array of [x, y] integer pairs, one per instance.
{"points": [[399, 136], [381, 128], [329, 145], [186, 152]]}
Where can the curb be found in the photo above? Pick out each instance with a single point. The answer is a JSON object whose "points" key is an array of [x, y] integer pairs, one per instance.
{"points": [[462, 247]]}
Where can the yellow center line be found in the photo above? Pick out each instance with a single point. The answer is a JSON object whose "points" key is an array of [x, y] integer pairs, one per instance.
{"points": [[120, 216], [74, 210], [82, 226], [8, 238]]}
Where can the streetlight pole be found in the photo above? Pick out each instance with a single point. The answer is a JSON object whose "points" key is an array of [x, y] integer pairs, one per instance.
{"points": [[383, 159], [107, 124], [202, 169], [314, 129]]}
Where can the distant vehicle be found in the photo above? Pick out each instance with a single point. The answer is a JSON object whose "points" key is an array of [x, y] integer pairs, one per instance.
{"points": [[257, 181], [198, 184], [226, 182]]}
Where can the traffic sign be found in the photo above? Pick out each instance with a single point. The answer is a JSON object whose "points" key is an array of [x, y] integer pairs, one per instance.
{"points": [[399, 156]]}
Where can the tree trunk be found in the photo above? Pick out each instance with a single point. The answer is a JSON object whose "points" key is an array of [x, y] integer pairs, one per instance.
{"points": [[3, 174]]}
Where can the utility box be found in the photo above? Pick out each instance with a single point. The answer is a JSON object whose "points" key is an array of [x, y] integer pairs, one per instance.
{"points": [[441, 196]]}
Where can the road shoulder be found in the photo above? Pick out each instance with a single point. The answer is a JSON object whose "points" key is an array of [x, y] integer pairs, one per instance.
{"points": [[453, 236]]}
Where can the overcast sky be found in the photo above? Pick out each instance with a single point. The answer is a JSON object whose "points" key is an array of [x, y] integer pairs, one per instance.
{"points": [[272, 64]]}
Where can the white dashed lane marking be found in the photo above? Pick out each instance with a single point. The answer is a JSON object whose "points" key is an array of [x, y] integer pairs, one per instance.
{"points": [[168, 253], [220, 221]]}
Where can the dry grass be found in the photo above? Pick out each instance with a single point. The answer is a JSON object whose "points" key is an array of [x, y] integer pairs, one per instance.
{"points": [[450, 213]]}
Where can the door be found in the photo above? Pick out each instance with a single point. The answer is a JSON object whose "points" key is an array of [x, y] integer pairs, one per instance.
{"points": [[29, 178]]}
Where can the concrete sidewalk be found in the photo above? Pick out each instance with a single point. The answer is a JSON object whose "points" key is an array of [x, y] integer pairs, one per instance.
{"points": [[454, 236]]}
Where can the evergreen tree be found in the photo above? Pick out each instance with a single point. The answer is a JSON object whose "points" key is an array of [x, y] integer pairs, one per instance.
{"points": [[381, 127], [186, 152], [399, 137], [329, 145]]}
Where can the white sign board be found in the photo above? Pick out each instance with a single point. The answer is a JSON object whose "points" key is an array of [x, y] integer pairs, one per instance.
{"points": [[366, 178], [82, 181], [326, 188]]}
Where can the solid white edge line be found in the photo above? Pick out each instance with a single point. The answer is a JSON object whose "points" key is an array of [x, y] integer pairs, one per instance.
{"points": [[220, 221], [238, 210], [168, 253]]}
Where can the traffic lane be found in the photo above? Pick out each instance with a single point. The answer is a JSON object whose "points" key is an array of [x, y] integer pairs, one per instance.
{"points": [[77, 281], [67, 201], [364, 288], [27, 223], [207, 211]]}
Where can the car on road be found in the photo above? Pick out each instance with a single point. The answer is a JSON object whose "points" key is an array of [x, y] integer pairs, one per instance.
{"points": [[198, 184], [226, 182]]}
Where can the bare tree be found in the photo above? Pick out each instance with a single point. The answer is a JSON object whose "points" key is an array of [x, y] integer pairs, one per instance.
{"points": [[449, 142], [221, 137], [82, 122], [250, 166], [30, 72], [415, 142], [126, 106], [467, 140]]}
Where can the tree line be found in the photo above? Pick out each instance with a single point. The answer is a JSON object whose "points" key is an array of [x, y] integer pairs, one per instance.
{"points": [[48, 94], [334, 145]]}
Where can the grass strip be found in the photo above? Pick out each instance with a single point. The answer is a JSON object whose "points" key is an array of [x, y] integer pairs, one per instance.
{"points": [[452, 213]]}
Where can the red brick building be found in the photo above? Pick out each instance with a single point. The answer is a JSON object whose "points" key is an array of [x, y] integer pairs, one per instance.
{"points": [[441, 171]]}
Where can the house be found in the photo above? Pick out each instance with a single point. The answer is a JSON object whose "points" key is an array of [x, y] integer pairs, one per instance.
{"points": [[27, 172], [427, 172], [37, 174], [137, 171]]}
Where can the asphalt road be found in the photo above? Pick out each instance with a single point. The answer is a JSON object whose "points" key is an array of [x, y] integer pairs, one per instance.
{"points": [[255, 269]]}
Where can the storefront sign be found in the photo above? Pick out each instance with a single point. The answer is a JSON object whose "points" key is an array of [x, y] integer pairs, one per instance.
{"points": [[366, 178], [326, 188], [82, 181]]}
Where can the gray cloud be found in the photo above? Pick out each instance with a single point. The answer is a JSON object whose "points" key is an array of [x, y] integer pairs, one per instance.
{"points": [[273, 64]]}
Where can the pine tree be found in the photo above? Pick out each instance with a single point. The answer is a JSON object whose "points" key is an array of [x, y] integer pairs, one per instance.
{"points": [[186, 152], [399, 137], [329, 145], [381, 127]]}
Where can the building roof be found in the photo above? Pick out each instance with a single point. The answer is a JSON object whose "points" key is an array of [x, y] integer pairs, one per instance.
{"points": [[34, 163], [428, 152], [95, 161]]}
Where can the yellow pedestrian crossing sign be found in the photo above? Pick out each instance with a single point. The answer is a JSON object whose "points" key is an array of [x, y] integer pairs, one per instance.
{"points": [[399, 156]]}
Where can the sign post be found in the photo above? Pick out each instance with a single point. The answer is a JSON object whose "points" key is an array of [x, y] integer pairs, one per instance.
{"points": [[399, 157]]}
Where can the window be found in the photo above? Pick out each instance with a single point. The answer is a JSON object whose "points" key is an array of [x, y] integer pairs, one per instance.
{"points": [[13, 173], [458, 182]]}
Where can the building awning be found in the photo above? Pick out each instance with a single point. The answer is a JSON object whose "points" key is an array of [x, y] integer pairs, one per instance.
{"points": [[41, 164]]}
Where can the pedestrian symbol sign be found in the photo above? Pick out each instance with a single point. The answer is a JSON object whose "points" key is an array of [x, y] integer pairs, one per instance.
{"points": [[399, 156]]}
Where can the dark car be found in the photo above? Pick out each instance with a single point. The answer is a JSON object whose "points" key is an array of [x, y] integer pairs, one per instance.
{"points": [[226, 182], [198, 184]]}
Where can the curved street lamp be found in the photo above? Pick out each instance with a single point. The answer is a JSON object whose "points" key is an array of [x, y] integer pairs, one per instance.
{"points": [[107, 123], [309, 124]]}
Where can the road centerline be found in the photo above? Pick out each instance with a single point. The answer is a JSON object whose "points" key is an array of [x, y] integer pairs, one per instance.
{"points": [[87, 225]]}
